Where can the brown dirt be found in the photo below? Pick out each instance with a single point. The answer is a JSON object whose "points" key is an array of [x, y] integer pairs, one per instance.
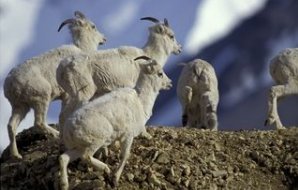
{"points": [[176, 158]]}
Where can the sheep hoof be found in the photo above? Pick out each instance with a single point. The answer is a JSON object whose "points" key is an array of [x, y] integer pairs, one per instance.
{"points": [[107, 170], [269, 121], [64, 186], [184, 120], [112, 181], [146, 135], [16, 156]]}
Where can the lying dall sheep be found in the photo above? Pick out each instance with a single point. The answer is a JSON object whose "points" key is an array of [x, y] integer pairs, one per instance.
{"points": [[106, 70], [284, 71], [197, 91], [118, 115], [33, 84]]}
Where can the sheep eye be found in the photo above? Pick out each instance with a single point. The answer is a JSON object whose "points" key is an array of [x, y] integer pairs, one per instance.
{"points": [[171, 36], [160, 74], [93, 26]]}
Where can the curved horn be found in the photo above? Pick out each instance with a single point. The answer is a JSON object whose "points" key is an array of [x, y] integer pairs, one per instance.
{"points": [[166, 22], [79, 14], [68, 21], [151, 19], [143, 57]]}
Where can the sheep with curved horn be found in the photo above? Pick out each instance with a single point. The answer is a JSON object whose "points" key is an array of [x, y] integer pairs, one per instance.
{"points": [[118, 115], [33, 84], [86, 78]]}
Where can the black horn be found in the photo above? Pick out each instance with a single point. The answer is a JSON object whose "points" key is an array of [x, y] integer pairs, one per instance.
{"points": [[79, 14], [143, 57], [151, 19], [68, 21], [166, 22]]}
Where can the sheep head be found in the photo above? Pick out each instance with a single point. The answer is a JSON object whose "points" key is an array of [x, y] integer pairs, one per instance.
{"points": [[162, 33], [154, 73], [84, 31]]}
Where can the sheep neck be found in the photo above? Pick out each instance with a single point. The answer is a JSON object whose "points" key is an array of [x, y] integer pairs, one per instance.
{"points": [[155, 49], [147, 96], [84, 44]]}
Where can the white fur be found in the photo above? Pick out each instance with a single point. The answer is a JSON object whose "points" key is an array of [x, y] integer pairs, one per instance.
{"points": [[33, 84], [197, 91], [106, 70], [118, 115], [284, 71]]}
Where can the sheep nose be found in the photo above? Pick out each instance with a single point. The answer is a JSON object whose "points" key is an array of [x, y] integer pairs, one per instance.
{"points": [[103, 41], [169, 85], [180, 48]]}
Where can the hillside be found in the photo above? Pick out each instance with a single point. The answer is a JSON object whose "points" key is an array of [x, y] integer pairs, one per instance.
{"points": [[176, 158]]}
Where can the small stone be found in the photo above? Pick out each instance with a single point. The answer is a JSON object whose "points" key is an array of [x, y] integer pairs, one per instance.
{"points": [[163, 158], [219, 173], [186, 170], [186, 183], [130, 177]]}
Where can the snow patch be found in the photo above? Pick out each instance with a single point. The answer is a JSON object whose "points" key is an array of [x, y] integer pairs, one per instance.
{"points": [[216, 18]]}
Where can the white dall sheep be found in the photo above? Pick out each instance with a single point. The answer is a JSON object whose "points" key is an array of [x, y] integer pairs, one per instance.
{"points": [[284, 71], [84, 79], [33, 84], [119, 115], [197, 91]]}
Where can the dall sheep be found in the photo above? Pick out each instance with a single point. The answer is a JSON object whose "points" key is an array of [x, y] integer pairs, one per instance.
{"points": [[33, 84], [197, 91], [284, 71], [118, 115], [106, 70]]}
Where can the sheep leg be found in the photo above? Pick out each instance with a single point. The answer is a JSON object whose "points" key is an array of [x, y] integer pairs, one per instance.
{"points": [[187, 100], [64, 160], [40, 112], [98, 165], [17, 116], [208, 112], [125, 151], [277, 92]]}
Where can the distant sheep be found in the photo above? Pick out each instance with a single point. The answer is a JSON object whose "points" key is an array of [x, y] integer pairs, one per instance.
{"points": [[119, 115], [197, 91], [33, 84], [100, 73], [284, 71]]}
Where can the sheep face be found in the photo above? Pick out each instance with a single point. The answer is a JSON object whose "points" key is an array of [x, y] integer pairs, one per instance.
{"points": [[84, 32], [166, 36], [154, 73]]}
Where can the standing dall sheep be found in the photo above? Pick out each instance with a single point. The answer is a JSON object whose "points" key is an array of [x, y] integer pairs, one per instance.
{"points": [[33, 84], [118, 115], [284, 71], [197, 91], [106, 70]]}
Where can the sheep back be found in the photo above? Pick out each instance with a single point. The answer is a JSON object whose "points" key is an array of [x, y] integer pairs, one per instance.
{"points": [[36, 76], [284, 66]]}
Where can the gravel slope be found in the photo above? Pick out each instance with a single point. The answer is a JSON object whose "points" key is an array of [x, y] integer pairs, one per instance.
{"points": [[176, 158]]}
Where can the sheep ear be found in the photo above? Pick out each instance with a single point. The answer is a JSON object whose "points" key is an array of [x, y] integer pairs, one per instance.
{"points": [[160, 29], [79, 14], [149, 68], [80, 22]]}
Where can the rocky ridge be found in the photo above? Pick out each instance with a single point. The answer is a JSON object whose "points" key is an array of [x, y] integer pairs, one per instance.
{"points": [[176, 158]]}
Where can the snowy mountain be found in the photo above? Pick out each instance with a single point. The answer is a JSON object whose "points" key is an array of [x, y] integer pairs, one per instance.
{"points": [[237, 37]]}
